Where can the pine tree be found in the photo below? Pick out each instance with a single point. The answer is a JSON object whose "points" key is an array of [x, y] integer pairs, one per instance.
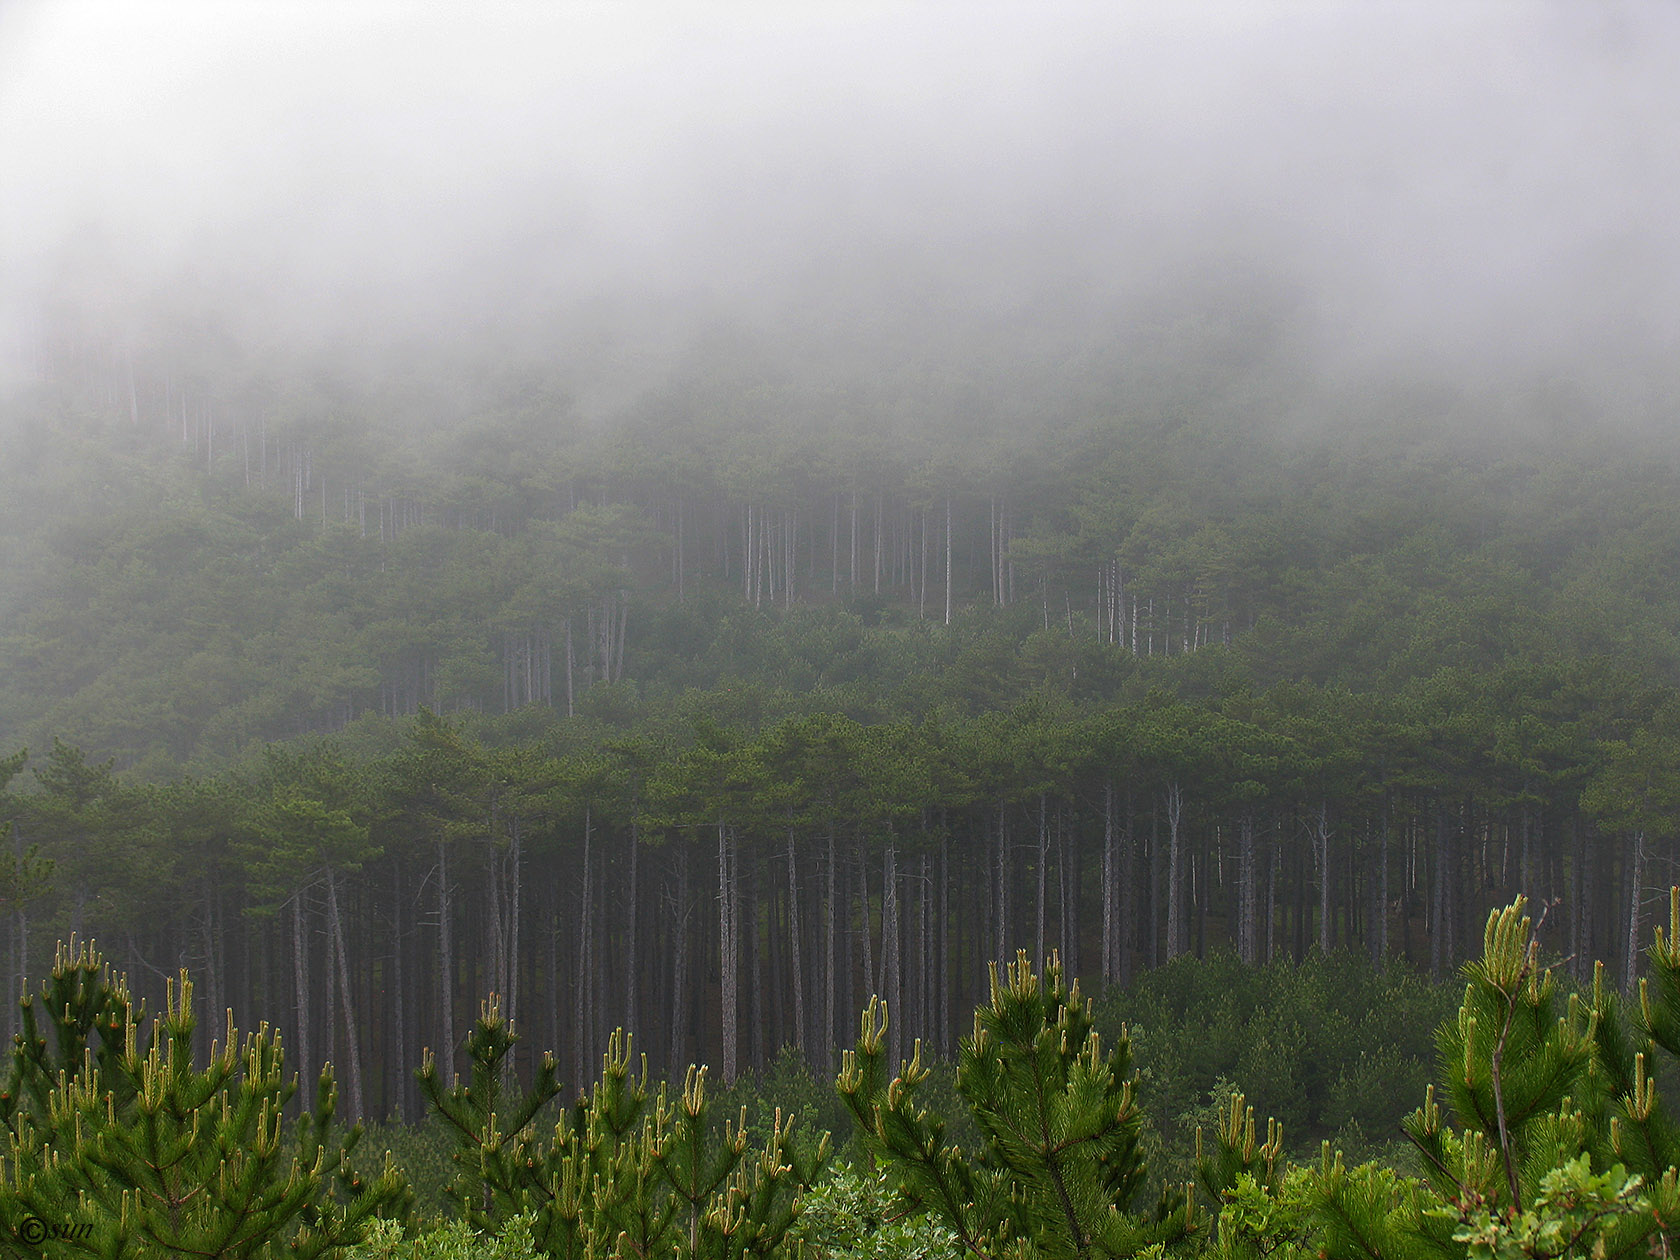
{"points": [[1554, 1141], [1059, 1165], [624, 1173], [113, 1133]]}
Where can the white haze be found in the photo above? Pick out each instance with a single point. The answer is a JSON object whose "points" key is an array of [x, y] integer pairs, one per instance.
{"points": [[1491, 187]]}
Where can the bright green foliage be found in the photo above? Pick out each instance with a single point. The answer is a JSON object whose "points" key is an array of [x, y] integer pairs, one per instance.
{"points": [[1574, 1207], [854, 1215], [1239, 1153], [1511, 1062], [1059, 1165], [118, 1130], [625, 1173], [452, 1240]]}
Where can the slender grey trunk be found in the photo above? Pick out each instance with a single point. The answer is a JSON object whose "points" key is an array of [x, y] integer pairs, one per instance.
{"points": [[1325, 904], [830, 1013], [446, 962], [300, 978], [1110, 874], [727, 959], [1043, 875], [586, 938], [1175, 870], [947, 559], [793, 949], [399, 1027], [891, 962], [357, 1114], [679, 963], [515, 853], [1636, 879], [1247, 873], [632, 960], [943, 961]]}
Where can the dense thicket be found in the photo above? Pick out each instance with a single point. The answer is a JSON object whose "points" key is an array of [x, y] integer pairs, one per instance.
{"points": [[779, 692]]}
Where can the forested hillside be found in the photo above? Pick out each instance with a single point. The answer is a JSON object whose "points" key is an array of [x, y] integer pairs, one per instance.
{"points": [[365, 696]]}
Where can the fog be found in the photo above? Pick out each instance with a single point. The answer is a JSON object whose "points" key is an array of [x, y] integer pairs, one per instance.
{"points": [[1484, 189]]}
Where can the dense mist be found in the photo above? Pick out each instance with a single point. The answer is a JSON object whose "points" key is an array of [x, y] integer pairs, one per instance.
{"points": [[1476, 194]]}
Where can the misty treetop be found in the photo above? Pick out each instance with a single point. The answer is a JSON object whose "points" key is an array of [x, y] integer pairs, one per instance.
{"points": [[173, 600]]}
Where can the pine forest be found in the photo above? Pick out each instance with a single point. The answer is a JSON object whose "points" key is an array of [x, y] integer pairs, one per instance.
{"points": [[719, 644]]}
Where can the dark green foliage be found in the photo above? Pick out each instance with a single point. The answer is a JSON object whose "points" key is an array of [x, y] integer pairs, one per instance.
{"points": [[113, 1127], [1059, 1164], [622, 1172], [1556, 1145], [1327, 1046]]}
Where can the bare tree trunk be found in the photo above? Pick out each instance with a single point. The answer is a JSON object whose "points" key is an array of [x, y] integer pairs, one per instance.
{"points": [[300, 978], [1246, 876], [1273, 856], [727, 953], [1438, 898], [864, 917], [1003, 925], [947, 559], [357, 1114], [679, 964], [943, 960], [1110, 874], [878, 539], [633, 962], [515, 853], [569, 667], [793, 949], [1326, 910], [891, 963], [1175, 871], [399, 1026], [586, 938], [446, 962], [854, 540], [1128, 893], [831, 1034], [1636, 879], [1043, 874]]}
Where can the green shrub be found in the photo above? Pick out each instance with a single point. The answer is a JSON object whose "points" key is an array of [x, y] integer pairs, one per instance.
{"points": [[452, 1240], [854, 1215]]}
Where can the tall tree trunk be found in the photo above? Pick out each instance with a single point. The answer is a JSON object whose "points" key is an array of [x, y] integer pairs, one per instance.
{"points": [[1246, 878], [1438, 897], [1110, 876], [830, 1014], [446, 963], [1003, 924], [1326, 904], [727, 957], [300, 978], [1042, 871], [1128, 893], [947, 559], [396, 1065], [1636, 880], [891, 962], [1174, 801], [583, 1018], [942, 960], [357, 1113], [632, 945], [679, 963], [864, 918], [793, 949], [515, 856]]}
